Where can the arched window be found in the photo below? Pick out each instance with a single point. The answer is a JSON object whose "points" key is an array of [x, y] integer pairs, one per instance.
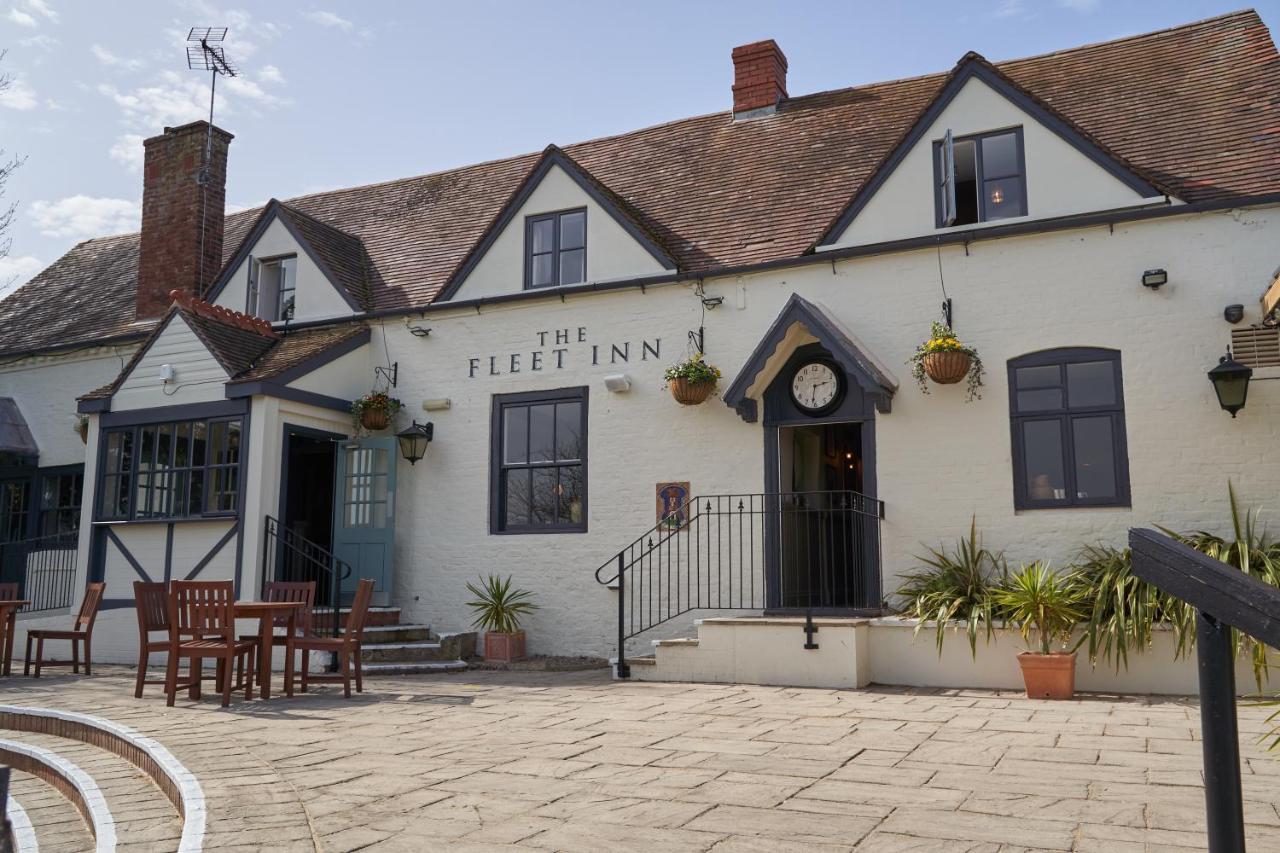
{"points": [[1066, 409]]}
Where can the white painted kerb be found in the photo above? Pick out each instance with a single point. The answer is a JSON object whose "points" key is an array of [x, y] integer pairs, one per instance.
{"points": [[194, 807], [24, 834], [104, 825]]}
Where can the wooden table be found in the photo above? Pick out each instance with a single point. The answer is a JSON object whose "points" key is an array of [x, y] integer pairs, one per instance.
{"points": [[266, 612], [8, 618]]}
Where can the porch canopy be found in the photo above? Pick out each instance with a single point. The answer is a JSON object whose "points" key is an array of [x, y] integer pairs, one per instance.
{"points": [[16, 441], [803, 322]]}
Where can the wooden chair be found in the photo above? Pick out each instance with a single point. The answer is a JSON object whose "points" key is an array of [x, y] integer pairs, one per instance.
{"points": [[202, 625], [82, 631], [302, 591], [8, 592], [152, 603], [347, 647]]}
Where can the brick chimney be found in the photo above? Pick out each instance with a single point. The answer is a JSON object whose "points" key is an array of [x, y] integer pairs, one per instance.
{"points": [[175, 208], [759, 78]]}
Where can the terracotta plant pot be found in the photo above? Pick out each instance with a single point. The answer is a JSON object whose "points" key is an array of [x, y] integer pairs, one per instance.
{"points": [[688, 393], [375, 419], [504, 648], [948, 367], [1050, 676]]}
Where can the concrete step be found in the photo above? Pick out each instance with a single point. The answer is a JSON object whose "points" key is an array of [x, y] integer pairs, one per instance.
{"points": [[58, 825], [322, 617], [399, 634], [414, 668], [404, 652]]}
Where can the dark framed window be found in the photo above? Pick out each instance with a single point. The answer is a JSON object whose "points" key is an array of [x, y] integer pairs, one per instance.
{"points": [[538, 468], [273, 285], [1066, 409], [183, 469], [61, 493], [555, 250], [980, 178]]}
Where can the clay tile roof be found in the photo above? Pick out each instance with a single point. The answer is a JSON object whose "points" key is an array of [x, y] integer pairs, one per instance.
{"points": [[1194, 108], [342, 253], [298, 347], [236, 340]]}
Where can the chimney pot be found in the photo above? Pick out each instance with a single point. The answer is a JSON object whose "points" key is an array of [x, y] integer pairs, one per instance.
{"points": [[176, 209], [759, 78]]}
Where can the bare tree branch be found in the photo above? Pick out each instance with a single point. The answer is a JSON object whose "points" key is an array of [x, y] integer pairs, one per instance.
{"points": [[8, 165]]}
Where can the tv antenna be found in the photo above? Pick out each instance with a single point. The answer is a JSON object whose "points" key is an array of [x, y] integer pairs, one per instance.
{"points": [[206, 53]]}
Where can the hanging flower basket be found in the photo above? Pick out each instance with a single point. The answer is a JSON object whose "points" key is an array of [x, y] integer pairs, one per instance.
{"points": [[947, 368], [374, 411], [944, 359], [82, 429], [691, 381]]}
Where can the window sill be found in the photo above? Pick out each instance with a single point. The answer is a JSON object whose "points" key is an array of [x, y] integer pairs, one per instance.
{"points": [[538, 531], [195, 519], [1117, 507]]}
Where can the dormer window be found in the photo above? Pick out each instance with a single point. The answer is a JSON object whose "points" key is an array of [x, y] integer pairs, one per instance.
{"points": [[272, 286], [555, 249], [980, 178]]}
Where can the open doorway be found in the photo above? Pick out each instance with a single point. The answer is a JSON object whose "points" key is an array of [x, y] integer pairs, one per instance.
{"points": [[304, 544], [826, 553]]}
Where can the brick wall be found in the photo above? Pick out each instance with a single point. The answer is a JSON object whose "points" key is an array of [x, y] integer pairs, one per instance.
{"points": [[759, 76]]}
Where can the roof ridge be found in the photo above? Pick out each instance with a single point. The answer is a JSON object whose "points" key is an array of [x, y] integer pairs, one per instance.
{"points": [[190, 304]]}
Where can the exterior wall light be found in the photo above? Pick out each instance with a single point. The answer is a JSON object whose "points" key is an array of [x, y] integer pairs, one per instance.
{"points": [[414, 441], [618, 383], [1155, 279], [1233, 313], [1231, 383]]}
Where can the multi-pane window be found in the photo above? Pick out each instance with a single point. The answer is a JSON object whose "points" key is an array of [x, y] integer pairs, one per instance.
{"points": [[1067, 413], [980, 178], [60, 497], [172, 470], [556, 249], [14, 502], [540, 462], [273, 285], [366, 492]]}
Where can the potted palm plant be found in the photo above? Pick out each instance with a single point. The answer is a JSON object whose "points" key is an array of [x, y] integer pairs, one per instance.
{"points": [[692, 380], [374, 410], [499, 609], [1045, 605], [944, 359]]}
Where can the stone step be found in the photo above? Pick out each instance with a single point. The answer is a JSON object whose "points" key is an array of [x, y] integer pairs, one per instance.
{"points": [[322, 617], [404, 652], [414, 668], [58, 825], [399, 634]]}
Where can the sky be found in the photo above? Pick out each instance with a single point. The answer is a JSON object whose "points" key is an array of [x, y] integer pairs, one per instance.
{"points": [[336, 94]]}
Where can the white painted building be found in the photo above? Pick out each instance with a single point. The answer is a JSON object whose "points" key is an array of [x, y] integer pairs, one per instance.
{"points": [[527, 309]]}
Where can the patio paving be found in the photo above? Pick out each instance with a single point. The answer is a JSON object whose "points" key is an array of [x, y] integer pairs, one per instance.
{"points": [[487, 761]]}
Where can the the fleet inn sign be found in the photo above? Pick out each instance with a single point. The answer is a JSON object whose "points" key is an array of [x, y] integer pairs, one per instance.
{"points": [[560, 348]]}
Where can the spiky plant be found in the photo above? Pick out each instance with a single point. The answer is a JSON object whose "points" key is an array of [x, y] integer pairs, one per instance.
{"points": [[498, 607], [954, 585], [1043, 603], [1124, 607]]}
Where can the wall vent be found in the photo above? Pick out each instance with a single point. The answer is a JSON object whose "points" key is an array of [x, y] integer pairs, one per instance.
{"points": [[1256, 346]]}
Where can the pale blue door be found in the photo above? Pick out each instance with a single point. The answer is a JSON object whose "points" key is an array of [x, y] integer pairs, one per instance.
{"points": [[364, 512]]}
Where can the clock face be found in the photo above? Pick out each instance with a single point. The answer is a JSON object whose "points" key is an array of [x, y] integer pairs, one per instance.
{"points": [[816, 387]]}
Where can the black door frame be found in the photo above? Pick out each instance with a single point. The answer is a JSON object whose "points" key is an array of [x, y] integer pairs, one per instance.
{"points": [[289, 431]]}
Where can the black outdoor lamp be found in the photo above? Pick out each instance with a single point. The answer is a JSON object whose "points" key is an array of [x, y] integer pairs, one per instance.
{"points": [[414, 441], [1231, 383]]}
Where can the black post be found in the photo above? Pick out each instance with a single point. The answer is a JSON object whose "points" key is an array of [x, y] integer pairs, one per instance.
{"points": [[1223, 800], [623, 670]]}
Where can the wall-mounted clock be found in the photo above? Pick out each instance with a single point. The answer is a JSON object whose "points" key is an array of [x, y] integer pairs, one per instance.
{"points": [[817, 387]]}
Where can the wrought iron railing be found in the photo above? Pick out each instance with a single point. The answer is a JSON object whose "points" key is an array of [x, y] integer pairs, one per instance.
{"points": [[44, 569], [804, 551], [288, 556]]}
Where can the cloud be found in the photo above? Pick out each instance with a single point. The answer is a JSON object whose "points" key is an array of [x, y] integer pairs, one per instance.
{"points": [[1010, 9], [171, 100], [81, 216], [329, 19], [271, 74], [127, 151], [1083, 6], [42, 9], [19, 96], [42, 41], [21, 18], [109, 59], [17, 271]]}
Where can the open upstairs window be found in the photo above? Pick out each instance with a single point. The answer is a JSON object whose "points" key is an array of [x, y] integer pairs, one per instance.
{"points": [[555, 249], [980, 178], [273, 285]]}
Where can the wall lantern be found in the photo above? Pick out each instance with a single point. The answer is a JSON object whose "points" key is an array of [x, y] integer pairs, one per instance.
{"points": [[414, 441], [1231, 383], [1154, 279]]}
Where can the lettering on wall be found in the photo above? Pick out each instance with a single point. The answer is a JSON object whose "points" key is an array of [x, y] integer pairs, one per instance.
{"points": [[556, 349]]}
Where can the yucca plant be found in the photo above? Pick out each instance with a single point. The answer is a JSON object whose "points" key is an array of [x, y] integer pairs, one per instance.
{"points": [[955, 585], [1124, 608], [498, 607], [1042, 602], [1251, 551]]}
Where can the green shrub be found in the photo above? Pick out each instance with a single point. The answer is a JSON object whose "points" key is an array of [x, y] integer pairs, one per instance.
{"points": [[1042, 603]]}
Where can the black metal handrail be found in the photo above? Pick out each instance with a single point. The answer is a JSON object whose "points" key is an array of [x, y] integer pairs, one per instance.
{"points": [[44, 568], [781, 550], [1225, 599], [289, 556]]}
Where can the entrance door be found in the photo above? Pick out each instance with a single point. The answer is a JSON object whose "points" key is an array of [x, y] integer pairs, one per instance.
{"points": [[364, 512], [823, 526]]}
